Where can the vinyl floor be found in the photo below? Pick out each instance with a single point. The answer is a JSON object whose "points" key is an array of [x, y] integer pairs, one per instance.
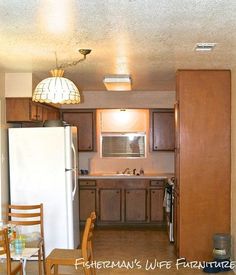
{"points": [[136, 252]]}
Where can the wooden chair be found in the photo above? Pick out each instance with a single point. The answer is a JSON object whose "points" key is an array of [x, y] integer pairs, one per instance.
{"points": [[4, 249], [75, 257], [30, 215]]}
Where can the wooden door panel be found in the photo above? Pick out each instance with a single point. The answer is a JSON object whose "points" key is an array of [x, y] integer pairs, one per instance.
{"points": [[135, 205], [39, 113], [163, 131], [156, 205], [33, 111], [84, 121], [53, 114], [87, 203], [110, 205], [204, 159]]}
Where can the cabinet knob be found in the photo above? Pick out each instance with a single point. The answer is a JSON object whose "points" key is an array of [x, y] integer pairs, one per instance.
{"points": [[153, 192], [155, 147], [92, 192], [117, 192], [127, 192]]}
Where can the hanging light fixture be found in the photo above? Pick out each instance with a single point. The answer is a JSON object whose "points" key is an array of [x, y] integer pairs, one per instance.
{"points": [[58, 89]]}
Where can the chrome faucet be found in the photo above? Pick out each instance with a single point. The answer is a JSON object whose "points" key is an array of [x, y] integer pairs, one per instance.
{"points": [[127, 170]]}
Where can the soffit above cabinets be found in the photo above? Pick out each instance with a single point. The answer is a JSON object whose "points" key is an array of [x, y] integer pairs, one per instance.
{"points": [[126, 120]]}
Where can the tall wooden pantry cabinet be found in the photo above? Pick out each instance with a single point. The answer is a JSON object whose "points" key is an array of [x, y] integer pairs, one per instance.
{"points": [[202, 194]]}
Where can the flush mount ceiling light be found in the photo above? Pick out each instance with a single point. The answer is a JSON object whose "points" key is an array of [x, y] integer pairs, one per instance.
{"points": [[204, 47], [117, 82], [58, 89]]}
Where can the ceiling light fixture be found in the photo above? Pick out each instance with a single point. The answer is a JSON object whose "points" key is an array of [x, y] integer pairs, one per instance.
{"points": [[117, 82], [58, 89], [204, 47]]}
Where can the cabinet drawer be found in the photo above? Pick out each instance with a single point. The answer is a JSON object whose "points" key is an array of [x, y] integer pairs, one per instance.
{"points": [[87, 183], [159, 183]]}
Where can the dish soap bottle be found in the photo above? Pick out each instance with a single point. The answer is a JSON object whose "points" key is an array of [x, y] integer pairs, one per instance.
{"points": [[141, 172]]}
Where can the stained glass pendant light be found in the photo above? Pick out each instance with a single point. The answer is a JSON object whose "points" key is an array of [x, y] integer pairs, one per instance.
{"points": [[58, 89]]}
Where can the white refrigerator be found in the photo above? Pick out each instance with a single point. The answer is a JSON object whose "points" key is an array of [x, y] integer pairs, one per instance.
{"points": [[43, 167]]}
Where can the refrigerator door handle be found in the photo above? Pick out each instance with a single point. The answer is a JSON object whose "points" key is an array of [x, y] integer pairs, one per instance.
{"points": [[75, 171], [75, 185]]}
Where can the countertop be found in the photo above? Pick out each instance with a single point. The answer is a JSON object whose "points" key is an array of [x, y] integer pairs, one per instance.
{"points": [[119, 176]]}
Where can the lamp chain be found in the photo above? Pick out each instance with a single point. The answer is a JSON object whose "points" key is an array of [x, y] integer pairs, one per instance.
{"points": [[64, 65]]}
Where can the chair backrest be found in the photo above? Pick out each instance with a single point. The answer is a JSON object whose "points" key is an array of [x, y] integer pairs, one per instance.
{"points": [[4, 248], [87, 252], [26, 215]]}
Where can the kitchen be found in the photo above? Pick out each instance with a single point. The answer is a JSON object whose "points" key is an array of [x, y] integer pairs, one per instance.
{"points": [[159, 97]]}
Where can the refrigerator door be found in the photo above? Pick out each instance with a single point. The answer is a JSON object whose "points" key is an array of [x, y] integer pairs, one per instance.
{"points": [[37, 175], [72, 186]]}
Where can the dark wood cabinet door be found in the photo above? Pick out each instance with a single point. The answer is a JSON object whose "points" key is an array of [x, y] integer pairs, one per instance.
{"points": [[33, 111], [163, 130], [87, 203], [50, 113], [110, 205], [156, 205], [36, 112], [17, 109], [39, 113], [85, 122], [135, 205], [53, 114]]}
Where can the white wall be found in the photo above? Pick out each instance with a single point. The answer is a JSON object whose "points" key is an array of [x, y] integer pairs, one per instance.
{"points": [[131, 99], [233, 166], [3, 151], [160, 162]]}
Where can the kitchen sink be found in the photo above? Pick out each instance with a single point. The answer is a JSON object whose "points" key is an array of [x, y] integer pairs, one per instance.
{"points": [[117, 174]]}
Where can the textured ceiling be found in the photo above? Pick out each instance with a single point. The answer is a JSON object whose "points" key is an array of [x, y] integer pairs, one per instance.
{"points": [[149, 39]]}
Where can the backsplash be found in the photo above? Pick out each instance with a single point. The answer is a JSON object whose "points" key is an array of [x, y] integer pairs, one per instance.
{"points": [[156, 162]]}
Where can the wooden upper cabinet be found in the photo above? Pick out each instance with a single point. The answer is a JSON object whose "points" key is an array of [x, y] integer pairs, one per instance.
{"points": [[25, 110], [51, 114], [36, 112], [162, 130], [85, 121]]}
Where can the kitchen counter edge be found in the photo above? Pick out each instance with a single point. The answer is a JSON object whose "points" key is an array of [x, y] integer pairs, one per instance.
{"points": [[147, 176]]}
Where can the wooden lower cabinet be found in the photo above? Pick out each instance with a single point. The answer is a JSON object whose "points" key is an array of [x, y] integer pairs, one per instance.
{"points": [[123, 201], [87, 203], [156, 205], [87, 198], [136, 205], [110, 205]]}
